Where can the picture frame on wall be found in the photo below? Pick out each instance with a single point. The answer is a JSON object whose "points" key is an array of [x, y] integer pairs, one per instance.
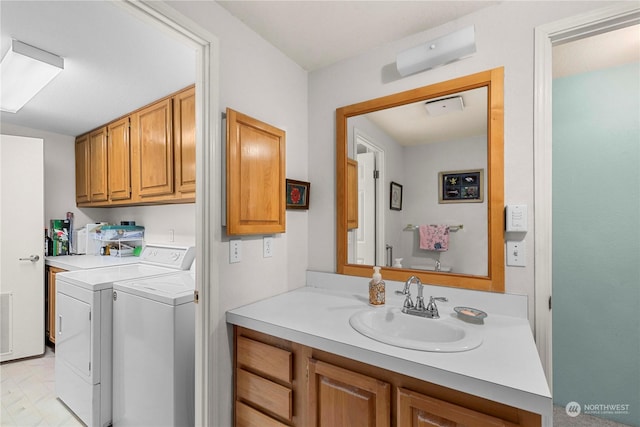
{"points": [[298, 194], [463, 186], [395, 196]]}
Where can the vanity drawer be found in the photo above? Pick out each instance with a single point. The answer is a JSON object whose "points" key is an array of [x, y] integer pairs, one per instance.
{"points": [[246, 416], [266, 360], [266, 394]]}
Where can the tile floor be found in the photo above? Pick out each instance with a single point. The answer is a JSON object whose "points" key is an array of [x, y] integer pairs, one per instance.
{"points": [[28, 394]]}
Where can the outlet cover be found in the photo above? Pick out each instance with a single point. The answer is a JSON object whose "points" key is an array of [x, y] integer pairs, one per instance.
{"points": [[267, 247], [235, 251]]}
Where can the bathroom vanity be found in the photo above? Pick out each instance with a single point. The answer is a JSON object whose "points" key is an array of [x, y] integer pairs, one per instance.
{"points": [[298, 362]]}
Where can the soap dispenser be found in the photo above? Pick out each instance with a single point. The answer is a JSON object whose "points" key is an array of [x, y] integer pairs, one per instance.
{"points": [[376, 288]]}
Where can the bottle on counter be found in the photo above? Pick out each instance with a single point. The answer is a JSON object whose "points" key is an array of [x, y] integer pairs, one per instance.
{"points": [[376, 288]]}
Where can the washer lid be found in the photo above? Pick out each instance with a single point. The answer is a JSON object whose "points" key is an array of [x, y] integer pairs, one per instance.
{"points": [[172, 289], [97, 279]]}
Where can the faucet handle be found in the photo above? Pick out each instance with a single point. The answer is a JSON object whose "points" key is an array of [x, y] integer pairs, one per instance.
{"points": [[433, 299]]}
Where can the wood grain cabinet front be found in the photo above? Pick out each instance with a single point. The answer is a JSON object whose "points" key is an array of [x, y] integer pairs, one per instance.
{"points": [[334, 391], [146, 157], [51, 302], [263, 384], [256, 199]]}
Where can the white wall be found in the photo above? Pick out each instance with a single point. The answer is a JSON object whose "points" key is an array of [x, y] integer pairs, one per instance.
{"points": [[260, 81], [504, 37]]}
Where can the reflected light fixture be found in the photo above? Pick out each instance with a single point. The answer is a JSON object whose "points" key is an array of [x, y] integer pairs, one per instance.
{"points": [[24, 71], [444, 106], [440, 51]]}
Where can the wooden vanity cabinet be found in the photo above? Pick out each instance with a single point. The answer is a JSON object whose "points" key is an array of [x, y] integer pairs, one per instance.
{"points": [[50, 321], [331, 390], [256, 183]]}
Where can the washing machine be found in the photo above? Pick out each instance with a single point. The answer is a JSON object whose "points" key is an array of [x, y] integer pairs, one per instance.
{"points": [[154, 351], [84, 307]]}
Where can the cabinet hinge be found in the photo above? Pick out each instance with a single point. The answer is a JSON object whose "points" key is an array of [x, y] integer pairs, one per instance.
{"points": [[549, 302], [376, 174], [89, 316], [196, 296], [89, 365]]}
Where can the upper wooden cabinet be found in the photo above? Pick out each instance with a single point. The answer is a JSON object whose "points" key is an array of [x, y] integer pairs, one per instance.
{"points": [[152, 151], [119, 160], [147, 157], [184, 119], [256, 199], [98, 186], [82, 170]]}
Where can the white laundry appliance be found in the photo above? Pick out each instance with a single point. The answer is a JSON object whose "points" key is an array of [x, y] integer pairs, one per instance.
{"points": [[83, 362], [154, 351]]}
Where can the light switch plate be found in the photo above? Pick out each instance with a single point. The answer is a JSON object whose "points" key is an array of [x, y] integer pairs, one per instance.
{"points": [[235, 251], [516, 254]]}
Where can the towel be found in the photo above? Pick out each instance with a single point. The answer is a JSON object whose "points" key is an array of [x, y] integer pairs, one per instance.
{"points": [[434, 237]]}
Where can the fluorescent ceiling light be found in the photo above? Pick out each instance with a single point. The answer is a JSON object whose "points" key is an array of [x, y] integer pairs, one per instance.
{"points": [[24, 71], [444, 106], [440, 51]]}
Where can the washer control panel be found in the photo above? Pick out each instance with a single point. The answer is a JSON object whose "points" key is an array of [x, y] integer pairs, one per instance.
{"points": [[179, 257]]}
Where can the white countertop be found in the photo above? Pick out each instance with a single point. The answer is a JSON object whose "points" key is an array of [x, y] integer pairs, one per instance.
{"points": [[505, 368], [81, 262]]}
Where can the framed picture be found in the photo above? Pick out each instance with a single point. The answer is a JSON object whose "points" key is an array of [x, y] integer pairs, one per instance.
{"points": [[297, 194], [465, 186], [395, 200]]}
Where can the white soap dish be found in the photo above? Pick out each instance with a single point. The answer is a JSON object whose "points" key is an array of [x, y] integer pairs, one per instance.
{"points": [[472, 315]]}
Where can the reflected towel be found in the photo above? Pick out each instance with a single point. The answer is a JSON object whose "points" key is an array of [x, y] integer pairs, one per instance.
{"points": [[434, 237]]}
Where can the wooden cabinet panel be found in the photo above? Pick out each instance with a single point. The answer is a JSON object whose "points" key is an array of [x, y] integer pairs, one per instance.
{"points": [[184, 119], [340, 397], [98, 165], [352, 194], [152, 153], [266, 394], [51, 302], [246, 416], [269, 361], [83, 192], [255, 176], [119, 160], [418, 410]]}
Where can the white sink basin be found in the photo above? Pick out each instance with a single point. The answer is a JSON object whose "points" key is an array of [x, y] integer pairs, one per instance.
{"points": [[391, 326]]}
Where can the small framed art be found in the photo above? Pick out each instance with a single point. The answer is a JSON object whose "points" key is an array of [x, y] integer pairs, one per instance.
{"points": [[395, 200], [466, 186], [297, 194]]}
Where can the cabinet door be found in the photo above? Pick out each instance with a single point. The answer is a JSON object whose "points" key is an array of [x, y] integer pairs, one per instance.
{"points": [[82, 169], [99, 191], [119, 160], [338, 397], [152, 155], [255, 176], [184, 121], [73, 329], [51, 302], [418, 410], [352, 194]]}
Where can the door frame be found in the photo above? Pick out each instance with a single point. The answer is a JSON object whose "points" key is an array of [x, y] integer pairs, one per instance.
{"points": [[546, 36], [208, 387]]}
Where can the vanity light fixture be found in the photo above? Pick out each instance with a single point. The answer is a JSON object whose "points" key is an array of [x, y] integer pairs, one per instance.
{"points": [[440, 51], [24, 71], [444, 106]]}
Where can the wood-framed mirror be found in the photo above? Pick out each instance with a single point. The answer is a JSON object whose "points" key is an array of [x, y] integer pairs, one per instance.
{"points": [[485, 220]]}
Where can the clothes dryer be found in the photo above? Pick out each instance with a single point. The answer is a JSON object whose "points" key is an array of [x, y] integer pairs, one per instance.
{"points": [[154, 351]]}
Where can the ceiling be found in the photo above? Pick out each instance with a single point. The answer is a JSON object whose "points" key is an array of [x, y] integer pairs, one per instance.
{"points": [[115, 63]]}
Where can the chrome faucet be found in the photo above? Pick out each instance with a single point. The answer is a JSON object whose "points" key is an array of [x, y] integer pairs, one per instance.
{"points": [[419, 309]]}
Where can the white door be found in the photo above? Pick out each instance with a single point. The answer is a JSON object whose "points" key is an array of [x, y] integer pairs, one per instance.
{"points": [[366, 233], [21, 247]]}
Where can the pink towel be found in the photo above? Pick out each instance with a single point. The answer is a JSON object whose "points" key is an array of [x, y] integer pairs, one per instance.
{"points": [[434, 237]]}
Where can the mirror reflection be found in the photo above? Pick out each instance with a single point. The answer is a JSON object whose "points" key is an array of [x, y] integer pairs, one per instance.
{"points": [[421, 169], [436, 208]]}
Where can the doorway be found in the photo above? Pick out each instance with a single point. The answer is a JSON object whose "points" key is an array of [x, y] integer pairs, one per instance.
{"points": [[589, 257]]}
